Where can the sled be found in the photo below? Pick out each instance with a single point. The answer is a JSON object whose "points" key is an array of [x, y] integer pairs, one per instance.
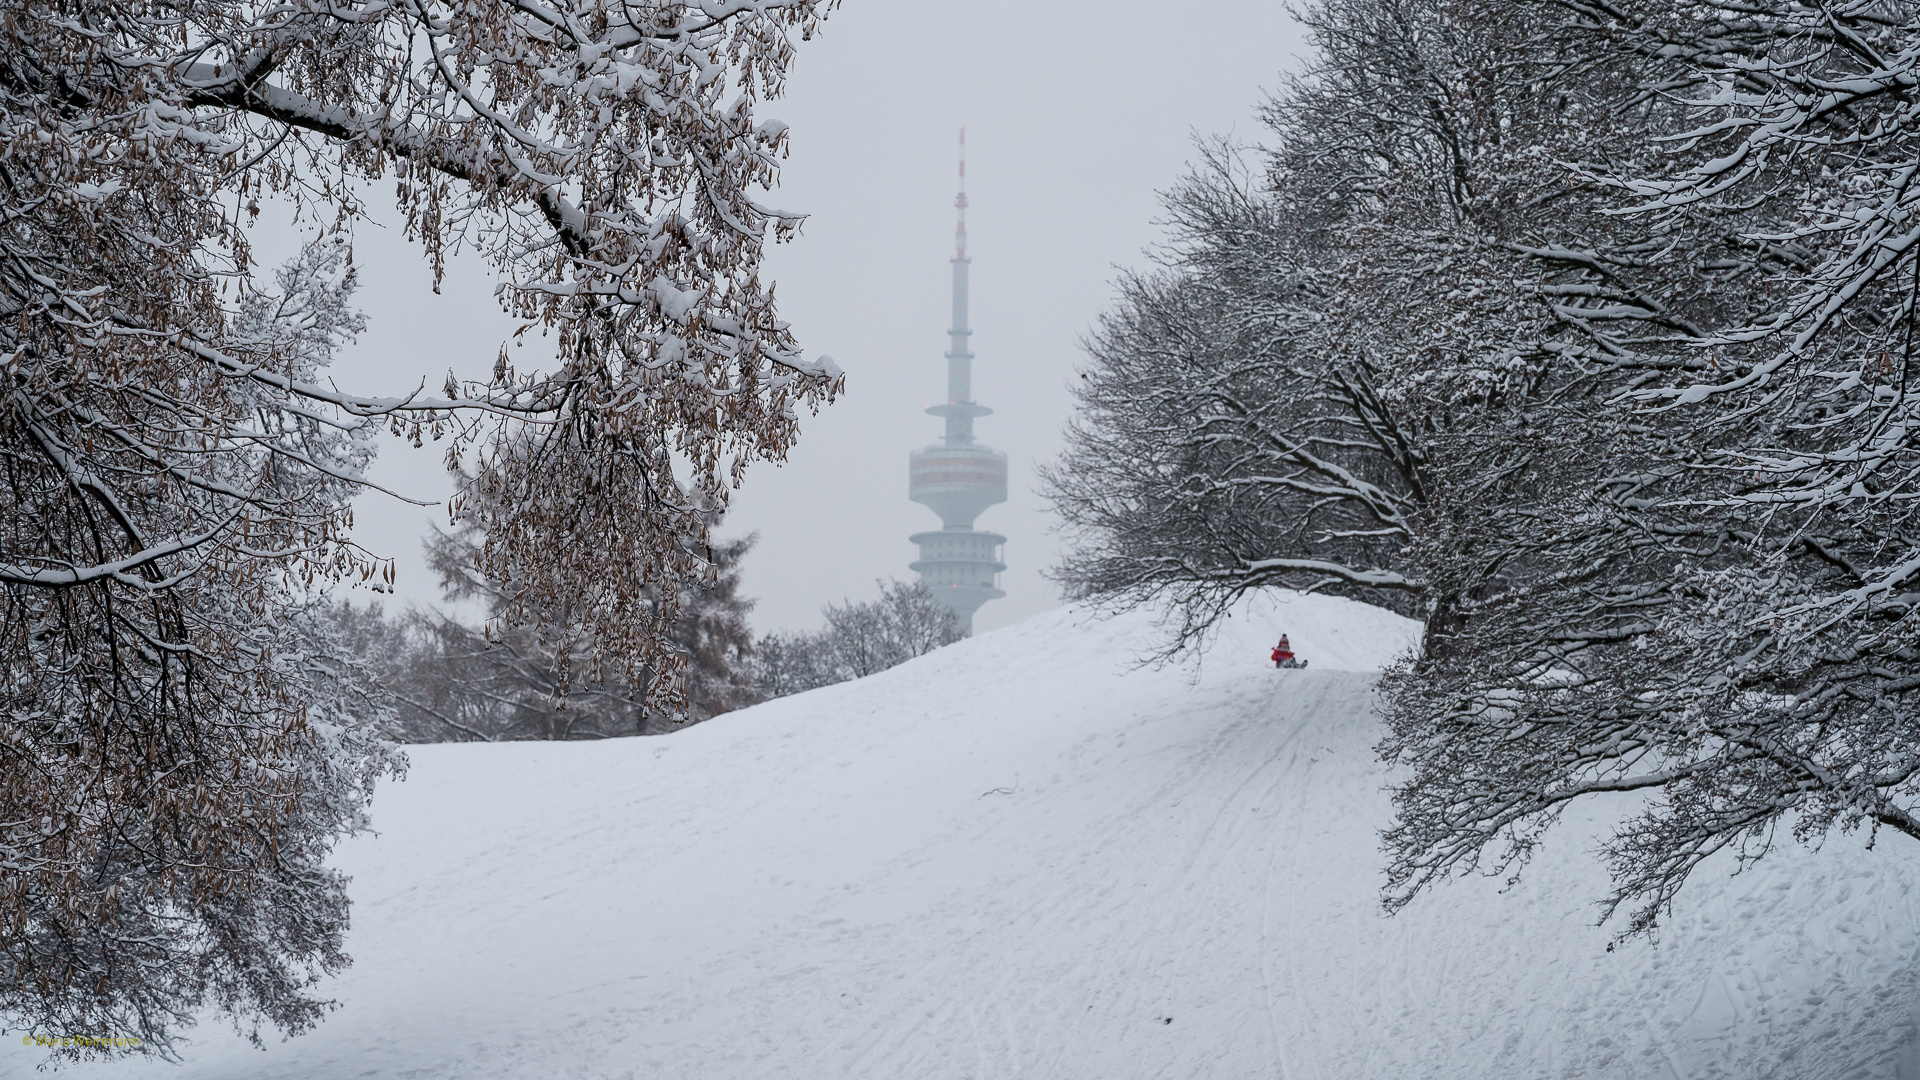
{"points": [[1292, 664]]}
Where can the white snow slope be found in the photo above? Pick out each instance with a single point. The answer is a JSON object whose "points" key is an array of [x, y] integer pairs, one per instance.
{"points": [[1026, 856]]}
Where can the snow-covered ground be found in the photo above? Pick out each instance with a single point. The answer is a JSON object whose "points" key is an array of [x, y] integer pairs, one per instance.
{"points": [[1026, 856]]}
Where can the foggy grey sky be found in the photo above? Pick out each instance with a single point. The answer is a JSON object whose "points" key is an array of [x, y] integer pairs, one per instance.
{"points": [[1077, 113]]}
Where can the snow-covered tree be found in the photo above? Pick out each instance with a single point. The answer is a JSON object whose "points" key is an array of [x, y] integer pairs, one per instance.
{"points": [[859, 639], [175, 463], [1338, 354], [605, 156], [1215, 449], [1489, 268], [1763, 685], [184, 738]]}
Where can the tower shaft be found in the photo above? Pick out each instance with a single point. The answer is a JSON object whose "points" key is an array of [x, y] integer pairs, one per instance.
{"points": [[959, 354], [959, 357]]}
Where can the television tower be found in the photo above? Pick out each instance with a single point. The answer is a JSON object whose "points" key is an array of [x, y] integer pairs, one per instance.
{"points": [[956, 477]]}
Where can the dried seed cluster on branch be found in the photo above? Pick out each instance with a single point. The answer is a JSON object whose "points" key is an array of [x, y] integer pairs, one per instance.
{"points": [[177, 749], [1584, 330]]}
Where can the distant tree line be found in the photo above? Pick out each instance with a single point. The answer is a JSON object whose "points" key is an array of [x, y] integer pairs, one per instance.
{"points": [[858, 640], [444, 679], [1583, 330]]}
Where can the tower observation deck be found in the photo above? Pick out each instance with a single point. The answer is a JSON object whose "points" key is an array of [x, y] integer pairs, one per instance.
{"points": [[956, 477]]}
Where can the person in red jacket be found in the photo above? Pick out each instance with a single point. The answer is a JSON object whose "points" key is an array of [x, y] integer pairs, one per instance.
{"points": [[1283, 653]]}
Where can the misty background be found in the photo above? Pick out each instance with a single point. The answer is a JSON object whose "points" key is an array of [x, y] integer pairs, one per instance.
{"points": [[1077, 114]]}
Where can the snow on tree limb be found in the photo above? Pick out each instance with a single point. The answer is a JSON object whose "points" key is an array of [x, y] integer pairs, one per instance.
{"points": [[176, 469], [1611, 306]]}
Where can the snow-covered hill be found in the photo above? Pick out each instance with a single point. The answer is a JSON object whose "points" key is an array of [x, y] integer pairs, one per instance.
{"points": [[1026, 856]]}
